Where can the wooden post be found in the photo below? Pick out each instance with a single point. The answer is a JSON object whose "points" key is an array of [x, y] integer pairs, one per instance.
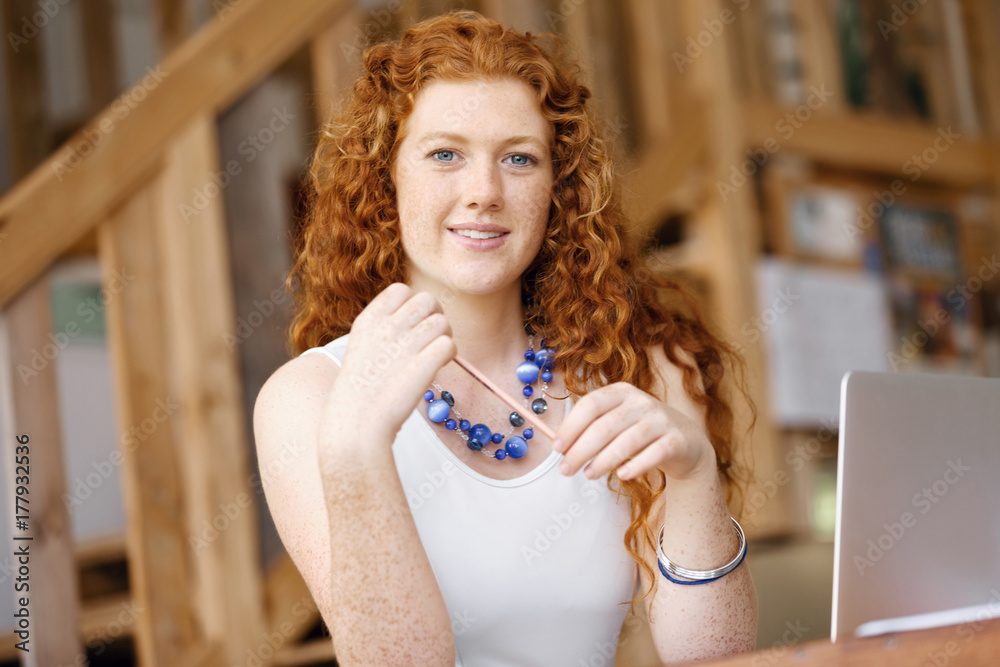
{"points": [[203, 372], [30, 406], [336, 61], [733, 232], [173, 22], [161, 570], [28, 130], [100, 54]]}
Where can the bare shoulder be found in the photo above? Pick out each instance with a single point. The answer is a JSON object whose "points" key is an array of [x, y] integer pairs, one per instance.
{"points": [[286, 423]]}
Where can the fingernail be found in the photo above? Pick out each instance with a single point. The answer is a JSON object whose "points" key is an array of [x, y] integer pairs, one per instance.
{"points": [[557, 445], [564, 468], [624, 472]]}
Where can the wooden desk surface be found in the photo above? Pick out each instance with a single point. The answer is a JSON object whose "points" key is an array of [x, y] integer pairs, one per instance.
{"points": [[970, 644]]}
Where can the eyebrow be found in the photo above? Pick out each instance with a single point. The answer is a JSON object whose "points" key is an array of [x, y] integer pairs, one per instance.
{"points": [[458, 138]]}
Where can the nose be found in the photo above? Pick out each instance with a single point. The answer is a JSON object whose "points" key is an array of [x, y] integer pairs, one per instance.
{"points": [[483, 188]]}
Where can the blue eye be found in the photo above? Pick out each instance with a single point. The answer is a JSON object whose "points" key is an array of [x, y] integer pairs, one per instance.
{"points": [[522, 160], [450, 154]]}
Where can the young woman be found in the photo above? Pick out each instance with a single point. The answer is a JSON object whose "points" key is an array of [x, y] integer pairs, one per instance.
{"points": [[464, 203]]}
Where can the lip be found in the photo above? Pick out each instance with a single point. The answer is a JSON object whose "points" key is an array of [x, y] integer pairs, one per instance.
{"points": [[479, 245], [479, 227]]}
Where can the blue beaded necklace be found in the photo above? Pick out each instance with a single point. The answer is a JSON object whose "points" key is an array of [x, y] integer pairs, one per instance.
{"points": [[535, 366]]}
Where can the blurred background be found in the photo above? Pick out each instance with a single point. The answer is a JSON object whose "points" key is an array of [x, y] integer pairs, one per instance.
{"points": [[823, 173]]}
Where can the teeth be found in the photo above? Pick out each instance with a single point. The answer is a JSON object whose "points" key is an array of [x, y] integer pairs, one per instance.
{"points": [[474, 234]]}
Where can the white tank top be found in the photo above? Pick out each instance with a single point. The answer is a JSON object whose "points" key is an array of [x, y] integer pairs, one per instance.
{"points": [[532, 569]]}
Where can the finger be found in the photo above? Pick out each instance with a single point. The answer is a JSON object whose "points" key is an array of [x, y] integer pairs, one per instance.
{"points": [[598, 435], [656, 454], [416, 309], [627, 445], [426, 331], [390, 299], [586, 411]]}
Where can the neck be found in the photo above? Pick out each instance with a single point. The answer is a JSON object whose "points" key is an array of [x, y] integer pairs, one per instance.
{"points": [[488, 329]]}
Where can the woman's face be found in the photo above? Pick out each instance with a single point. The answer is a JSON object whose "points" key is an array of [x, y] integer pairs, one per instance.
{"points": [[473, 180]]}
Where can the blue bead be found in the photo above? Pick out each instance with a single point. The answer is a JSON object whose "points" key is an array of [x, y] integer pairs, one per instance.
{"points": [[547, 376], [428, 395], [530, 355], [539, 406], [474, 444], [516, 446], [516, 419], [528, 434], [545, 358], [464, 425], [480, 432], [438, 411], [450, 424], [528, 372], [500, 454], [497, 438], [527, 391], [448, 398]]}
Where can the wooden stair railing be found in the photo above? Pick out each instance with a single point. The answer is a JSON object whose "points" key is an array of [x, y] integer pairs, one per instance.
{"points": [[123, 177]]}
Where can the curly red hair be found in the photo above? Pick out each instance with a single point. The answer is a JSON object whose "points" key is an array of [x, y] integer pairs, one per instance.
{"points": [[609, 312]]}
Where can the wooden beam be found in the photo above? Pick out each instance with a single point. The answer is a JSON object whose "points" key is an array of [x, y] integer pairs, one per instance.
{"points": [[100, 167], [211, 440], [160, 563], [100, 53], [34, 462], [646, 19], [28, 130], [173, 23], [336, 61], [870, 142]]}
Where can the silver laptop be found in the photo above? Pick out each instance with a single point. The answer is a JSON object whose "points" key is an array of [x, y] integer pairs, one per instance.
{"points": [[917, 540]]}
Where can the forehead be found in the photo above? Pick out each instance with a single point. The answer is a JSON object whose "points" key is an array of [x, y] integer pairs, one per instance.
{"points": [[478, 109]]}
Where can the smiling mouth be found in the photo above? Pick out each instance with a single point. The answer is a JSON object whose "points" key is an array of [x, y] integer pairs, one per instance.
{"points": [[475, 234]]}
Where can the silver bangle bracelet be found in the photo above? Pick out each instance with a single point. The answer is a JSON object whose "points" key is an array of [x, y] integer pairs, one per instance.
{"points": [[673, 570]]}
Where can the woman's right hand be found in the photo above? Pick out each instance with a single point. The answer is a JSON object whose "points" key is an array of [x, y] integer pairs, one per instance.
{"points": [[397, 344]]}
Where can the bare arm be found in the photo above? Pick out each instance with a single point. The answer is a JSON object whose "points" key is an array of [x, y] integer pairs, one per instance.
{"points": [[705, 620], [341, 511]]}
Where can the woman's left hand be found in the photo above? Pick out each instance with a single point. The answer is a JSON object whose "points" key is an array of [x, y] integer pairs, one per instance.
{"points": [[619, 422]]}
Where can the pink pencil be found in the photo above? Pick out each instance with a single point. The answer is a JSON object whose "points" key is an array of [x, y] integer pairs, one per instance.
{"points": [[527, 414]]}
